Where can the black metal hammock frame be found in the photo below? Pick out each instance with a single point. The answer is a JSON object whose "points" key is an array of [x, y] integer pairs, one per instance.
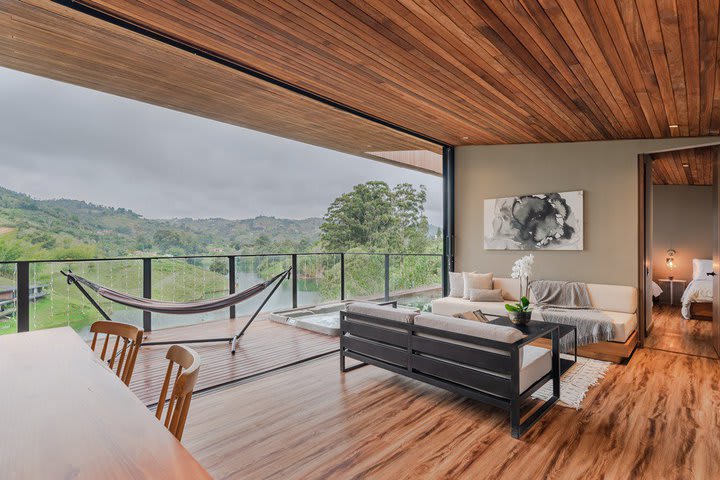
{"points": [[177, 308]]}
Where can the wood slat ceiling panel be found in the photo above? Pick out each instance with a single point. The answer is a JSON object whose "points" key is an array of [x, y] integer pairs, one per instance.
{"points": [[471, 72], [47, 39], [669, 169]]}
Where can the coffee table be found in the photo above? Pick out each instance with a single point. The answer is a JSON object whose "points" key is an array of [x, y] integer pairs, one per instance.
{"points": [[534, 325]]}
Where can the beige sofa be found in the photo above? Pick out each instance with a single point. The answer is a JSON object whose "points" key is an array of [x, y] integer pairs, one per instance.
{"points": [[618, 302]]}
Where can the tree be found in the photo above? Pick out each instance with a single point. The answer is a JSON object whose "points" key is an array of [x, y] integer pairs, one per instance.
{"points": [[378, 218], [219, 265]]}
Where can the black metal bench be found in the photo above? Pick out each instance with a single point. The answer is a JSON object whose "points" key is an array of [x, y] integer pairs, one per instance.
{"points": [[424, 354]]}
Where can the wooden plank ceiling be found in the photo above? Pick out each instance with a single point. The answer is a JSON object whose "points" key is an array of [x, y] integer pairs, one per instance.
{"points": [[683, 167], [475, 72], [461, 72], [47, 39]]}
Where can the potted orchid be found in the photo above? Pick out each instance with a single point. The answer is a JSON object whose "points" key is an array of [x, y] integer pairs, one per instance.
{"points": [[520, 312]]}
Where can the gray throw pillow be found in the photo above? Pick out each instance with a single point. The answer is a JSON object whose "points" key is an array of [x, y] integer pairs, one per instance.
{"points": [[485, 295]]}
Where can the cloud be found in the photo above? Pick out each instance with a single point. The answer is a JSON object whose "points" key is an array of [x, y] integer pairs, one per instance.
{"points": [[60, 140]]}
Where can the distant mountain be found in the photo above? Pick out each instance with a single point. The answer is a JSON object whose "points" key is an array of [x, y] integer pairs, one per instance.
{"points": [[47, 225]]}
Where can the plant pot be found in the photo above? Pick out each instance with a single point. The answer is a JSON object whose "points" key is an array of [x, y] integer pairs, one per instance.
{"points": [[520, 318]]}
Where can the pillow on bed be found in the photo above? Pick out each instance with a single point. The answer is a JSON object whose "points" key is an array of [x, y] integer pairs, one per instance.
{"points": [[701, 268]]}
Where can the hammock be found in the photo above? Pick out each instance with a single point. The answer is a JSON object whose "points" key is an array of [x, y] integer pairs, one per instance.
{"points": [[177, 308], [157, 306]]}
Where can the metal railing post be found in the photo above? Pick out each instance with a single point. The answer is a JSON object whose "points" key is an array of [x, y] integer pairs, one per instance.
{"points": [[387, 276], [147, 292], [294, 280], [23, 297], [231, 281], [342, 276]]}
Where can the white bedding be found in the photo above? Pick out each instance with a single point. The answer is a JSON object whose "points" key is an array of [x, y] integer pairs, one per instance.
{"points": [[656, 290], [697, 291]]}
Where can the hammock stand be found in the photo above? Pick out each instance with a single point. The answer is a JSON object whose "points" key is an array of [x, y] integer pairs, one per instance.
{"points": [[157, 306]]}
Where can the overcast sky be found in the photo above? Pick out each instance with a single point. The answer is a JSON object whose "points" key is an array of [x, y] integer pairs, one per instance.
{"points": [[62, 141]]}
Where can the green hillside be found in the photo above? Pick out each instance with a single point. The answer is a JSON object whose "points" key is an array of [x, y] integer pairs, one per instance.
{"points": [[36, 229]]}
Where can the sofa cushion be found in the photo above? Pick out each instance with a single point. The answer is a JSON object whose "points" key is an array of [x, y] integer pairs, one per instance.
{"points": [[404, 315], [452, 306], [476, 281], [484, 295], [613, 298], [469, 327], [536, 362], [457, 285]]}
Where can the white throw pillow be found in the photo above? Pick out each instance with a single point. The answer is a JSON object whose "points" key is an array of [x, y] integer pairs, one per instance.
{"points": [[476, 281], [457, 285], [484, 295], [701, 268]]}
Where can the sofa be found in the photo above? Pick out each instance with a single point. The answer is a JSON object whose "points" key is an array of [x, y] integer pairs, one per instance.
{"points": [[490, 363], [620, 303]]}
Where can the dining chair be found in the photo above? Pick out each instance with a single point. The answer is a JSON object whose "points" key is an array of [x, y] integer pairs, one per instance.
{"points": [[131, 336], [188, 366]]}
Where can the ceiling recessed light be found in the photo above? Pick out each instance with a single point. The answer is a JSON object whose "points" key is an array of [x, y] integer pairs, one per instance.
{"points": [[686, 165], [673, 126], [465, 138]]}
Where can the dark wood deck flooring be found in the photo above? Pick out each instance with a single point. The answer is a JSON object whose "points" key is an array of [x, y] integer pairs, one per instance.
{"points": [[266, 345]]}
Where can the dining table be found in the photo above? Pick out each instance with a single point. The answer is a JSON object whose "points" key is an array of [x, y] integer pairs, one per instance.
{"points": [[64, 414]]}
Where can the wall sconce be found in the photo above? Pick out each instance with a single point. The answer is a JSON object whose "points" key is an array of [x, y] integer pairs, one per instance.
{"points": [[670, 261]]}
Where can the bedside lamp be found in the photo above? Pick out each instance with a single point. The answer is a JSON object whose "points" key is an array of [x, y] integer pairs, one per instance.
{"points": [[670, 262]]}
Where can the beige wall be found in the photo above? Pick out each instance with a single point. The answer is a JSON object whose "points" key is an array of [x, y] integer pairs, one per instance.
{"points": [[682, 218], [606, 171]]}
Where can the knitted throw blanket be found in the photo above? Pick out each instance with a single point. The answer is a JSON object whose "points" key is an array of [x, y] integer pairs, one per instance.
{"points": [[568, 303]]}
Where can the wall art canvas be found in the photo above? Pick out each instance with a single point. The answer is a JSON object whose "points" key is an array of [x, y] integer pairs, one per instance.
{"points": [[543, 221]]}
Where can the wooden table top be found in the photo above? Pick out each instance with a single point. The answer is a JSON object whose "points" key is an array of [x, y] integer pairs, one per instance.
{"points": [[64, 414]]}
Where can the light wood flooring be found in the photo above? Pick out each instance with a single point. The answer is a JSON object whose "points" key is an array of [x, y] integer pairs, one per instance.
{"points": [[658, 417], [673, 333]]}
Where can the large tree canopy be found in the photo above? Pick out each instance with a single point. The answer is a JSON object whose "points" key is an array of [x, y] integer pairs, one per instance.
{"points": [[378, 218]]}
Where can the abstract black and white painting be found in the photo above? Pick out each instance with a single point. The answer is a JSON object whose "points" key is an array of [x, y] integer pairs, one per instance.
{"points": [[543, 221]]}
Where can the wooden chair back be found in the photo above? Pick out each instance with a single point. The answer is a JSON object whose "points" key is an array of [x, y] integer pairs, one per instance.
{"points": [[188, 367], [122, 358]]}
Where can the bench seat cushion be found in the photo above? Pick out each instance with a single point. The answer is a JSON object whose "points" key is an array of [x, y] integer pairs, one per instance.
{"points": [[469, 327], [387, 312], [536, 362]]}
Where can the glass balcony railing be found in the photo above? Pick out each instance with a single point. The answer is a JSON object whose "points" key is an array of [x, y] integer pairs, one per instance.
{"points": [[35, 295]]}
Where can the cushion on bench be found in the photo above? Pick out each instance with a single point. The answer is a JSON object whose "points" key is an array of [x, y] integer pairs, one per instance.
{"points": [[387, 312], [470, 327]]}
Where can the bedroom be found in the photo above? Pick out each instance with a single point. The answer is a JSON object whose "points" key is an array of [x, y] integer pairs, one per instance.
{"points": [[682, 251]]}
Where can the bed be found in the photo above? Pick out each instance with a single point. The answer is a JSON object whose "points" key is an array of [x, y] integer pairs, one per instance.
{"points": [[698, 296]]}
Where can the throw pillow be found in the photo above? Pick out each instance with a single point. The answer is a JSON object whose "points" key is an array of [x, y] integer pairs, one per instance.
{"points": [[476, 281], [484, 295], [457, 285]]}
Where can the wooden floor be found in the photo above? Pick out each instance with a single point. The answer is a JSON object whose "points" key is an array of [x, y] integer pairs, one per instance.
{"points": [[265, 345], [656, 417], [673, 333]]}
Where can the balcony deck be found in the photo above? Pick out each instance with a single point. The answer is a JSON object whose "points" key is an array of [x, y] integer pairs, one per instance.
{"points": [[656, 415], [266, 345]]}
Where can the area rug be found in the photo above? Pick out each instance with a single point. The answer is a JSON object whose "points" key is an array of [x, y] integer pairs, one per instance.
{"points": [[576, 382]]}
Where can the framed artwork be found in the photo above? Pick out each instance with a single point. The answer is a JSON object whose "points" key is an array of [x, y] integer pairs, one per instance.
{"points": [[542, 221]]}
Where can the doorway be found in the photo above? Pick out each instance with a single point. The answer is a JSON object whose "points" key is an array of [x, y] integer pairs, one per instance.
{"points": [[679, 247]]}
